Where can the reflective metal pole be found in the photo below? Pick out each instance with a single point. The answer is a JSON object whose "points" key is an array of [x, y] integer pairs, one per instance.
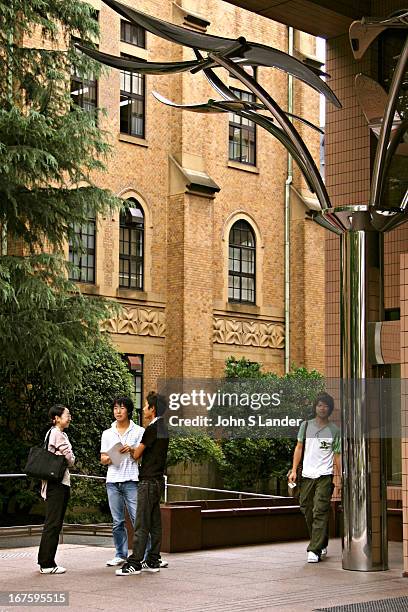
{"points": [[364, 492]]}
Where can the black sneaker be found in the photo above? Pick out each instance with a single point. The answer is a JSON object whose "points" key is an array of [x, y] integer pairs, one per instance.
{"points": [[150, 568], [129, 570]]}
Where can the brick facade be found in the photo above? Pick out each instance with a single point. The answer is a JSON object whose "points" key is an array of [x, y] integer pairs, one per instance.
{"points": [[178, 321]]}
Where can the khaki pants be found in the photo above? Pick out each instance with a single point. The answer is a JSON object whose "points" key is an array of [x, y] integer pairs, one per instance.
{"points": [[314, 499]]}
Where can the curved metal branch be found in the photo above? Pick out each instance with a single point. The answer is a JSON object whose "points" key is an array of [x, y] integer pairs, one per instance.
{"points": [[221, 106], [394, 145], [288, 128], [253, 53], [325, 222], [123, 63], [362, 33], [279, 134], [378, 168], [397, 19]]}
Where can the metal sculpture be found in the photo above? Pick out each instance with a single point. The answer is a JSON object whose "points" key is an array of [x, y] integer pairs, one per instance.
{"points": [[359, 228]]}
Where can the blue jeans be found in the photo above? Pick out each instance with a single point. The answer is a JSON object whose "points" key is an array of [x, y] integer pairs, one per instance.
{"points": [[121, 494]]}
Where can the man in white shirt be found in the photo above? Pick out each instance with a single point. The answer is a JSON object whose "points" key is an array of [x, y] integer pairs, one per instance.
{"points": [[319, 444], [122, 479]]}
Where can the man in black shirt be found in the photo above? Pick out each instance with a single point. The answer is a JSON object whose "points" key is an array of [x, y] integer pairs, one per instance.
{"points": [[153, 451]]}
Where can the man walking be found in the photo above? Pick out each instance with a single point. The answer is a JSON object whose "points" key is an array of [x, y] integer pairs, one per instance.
{"points": [[153, 452], [319, 444]]}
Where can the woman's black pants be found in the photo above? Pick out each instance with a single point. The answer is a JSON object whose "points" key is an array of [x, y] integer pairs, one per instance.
{"points": [[56, 504]]}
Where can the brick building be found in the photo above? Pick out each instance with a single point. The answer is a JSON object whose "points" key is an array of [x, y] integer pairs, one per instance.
{"points": [[198, 261]]}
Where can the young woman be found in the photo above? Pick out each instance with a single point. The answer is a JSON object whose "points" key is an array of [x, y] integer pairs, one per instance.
{"points": [[56, 494]]}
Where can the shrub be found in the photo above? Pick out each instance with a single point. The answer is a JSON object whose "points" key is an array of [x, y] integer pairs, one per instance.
{"points": [[197, 448], [250, 462]]}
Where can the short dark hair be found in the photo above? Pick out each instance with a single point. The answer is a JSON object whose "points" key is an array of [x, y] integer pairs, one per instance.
{"points": [[126, 402], [158, 402], [325, 398], [55, 411]]}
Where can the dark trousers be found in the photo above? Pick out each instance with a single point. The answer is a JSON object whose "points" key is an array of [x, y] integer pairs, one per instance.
{"points": [[56, 504], [148, 520], [314, 500]]}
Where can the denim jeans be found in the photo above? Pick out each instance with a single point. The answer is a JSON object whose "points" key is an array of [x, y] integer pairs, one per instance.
{"points": [[121, 494]]}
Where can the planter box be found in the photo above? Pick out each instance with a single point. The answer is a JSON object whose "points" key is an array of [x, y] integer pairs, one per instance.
{"points": [[211, 523]]}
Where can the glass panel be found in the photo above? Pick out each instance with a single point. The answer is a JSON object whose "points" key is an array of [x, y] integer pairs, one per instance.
{"points": [[127, 81], [137, 85], [138, 384], [245, 267], [131, 33], [124, 115], [136, 117], [241, 144], [133, 246]]}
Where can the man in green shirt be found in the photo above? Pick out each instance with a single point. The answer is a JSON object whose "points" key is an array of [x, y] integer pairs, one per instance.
{"points": [[321, 441]]}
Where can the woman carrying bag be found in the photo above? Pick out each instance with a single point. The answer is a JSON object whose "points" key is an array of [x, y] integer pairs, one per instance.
{"points": [[56, 494]]}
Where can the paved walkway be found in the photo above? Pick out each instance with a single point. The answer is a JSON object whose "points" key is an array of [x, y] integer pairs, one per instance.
{"points": [[263, 578]]}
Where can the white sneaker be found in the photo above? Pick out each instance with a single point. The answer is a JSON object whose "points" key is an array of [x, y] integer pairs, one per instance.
{"points": [[323, 554], [312, 557], [58, 569], [115, 561]]}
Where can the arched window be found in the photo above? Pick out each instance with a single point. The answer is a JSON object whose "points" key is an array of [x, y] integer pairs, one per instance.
{"points": [[241, 264], [131, 246]]}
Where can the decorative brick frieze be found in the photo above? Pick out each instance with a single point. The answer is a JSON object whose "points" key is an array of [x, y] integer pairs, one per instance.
{"points": [[138, 322], [264, 334]]}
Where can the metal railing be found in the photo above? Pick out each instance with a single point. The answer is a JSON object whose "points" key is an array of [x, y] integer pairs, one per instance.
{"points": [[105, 529], [240, 493]]}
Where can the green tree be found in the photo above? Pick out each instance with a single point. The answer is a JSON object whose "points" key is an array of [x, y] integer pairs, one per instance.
{"points": [[25, 423], [50, 151]]}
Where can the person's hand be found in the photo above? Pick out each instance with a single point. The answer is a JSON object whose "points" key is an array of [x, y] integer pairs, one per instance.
{"points": [[126, 449], [292, 476], [105, 459]]}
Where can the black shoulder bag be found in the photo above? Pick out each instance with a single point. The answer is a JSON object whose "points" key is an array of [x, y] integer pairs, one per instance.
{"points": [[44, 464]]}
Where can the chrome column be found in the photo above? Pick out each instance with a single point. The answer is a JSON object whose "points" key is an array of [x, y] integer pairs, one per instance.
{"points": [[364, 491]]}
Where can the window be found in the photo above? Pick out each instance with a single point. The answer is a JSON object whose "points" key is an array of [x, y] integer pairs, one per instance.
{"points": [[131, 246], [132, 103], [82, 252], [132, 34], [84, 88], [242, 144], [83, 92], [241, 268], [135, 365]]}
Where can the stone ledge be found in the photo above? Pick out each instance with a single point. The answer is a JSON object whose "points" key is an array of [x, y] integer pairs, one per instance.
{"points": [[244, 167], [141, 142]]}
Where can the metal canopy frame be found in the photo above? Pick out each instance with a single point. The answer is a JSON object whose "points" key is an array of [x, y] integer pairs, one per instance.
{"points": [[359, 228]]}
